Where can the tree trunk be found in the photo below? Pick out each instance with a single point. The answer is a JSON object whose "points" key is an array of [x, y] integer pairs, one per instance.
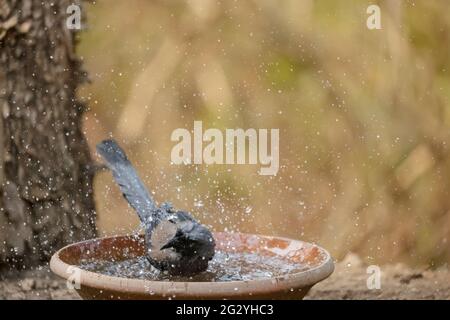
{"points": [[46, 197]]}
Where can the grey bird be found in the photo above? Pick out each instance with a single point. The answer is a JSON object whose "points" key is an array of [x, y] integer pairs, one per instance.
{"points": [[175, 241]]}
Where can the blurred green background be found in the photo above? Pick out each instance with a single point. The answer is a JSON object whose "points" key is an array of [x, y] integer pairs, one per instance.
{"points": [[364, 116]]}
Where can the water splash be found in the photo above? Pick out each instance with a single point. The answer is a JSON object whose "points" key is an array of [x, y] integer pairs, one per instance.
{"points": [[225, 266]]}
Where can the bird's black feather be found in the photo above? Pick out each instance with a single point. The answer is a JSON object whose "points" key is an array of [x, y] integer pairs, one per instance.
{"points": [[175, 241], [130, 184]]}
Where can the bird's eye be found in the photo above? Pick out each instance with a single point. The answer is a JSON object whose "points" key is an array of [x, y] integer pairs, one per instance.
{"points": [[172, 218]]}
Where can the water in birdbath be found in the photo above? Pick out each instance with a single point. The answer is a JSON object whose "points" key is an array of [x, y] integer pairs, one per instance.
{"points": [[225, 266]]}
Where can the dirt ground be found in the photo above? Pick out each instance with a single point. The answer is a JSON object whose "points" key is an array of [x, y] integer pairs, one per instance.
{"points": [[349, 281], [398, 282]]}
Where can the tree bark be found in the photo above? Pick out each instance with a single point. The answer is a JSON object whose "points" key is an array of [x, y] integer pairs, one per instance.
{"points": [[46, 197]]}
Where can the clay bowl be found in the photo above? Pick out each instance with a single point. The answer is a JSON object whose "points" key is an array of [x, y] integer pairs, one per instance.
{"points": [[99, 286]]}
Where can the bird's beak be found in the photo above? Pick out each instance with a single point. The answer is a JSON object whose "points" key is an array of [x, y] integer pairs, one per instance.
{"points": [[170, 244], [174, 241]]}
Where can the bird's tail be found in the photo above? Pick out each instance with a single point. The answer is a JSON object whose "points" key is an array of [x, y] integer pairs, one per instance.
{"points": [[130, 184]]}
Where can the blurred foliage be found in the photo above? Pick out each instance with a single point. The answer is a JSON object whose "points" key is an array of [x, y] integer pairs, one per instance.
{"points": [[364, 116]]}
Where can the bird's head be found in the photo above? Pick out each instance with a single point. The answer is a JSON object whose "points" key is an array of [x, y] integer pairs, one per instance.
{"points": [[192, 240]]}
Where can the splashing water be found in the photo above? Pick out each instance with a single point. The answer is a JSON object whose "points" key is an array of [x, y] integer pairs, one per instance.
{"points": [[225, 266]]}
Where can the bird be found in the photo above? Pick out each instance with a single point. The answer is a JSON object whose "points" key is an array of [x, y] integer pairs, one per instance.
{"points": [[175, 242]]}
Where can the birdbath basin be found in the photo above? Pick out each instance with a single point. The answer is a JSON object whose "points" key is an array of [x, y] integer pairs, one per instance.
{"points": [[314, 264]]}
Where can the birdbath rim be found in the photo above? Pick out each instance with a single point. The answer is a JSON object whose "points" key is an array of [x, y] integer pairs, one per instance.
{"points": [[65, 263]]}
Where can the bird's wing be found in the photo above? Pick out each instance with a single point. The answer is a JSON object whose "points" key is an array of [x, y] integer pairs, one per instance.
{"points": [[130, 184]]}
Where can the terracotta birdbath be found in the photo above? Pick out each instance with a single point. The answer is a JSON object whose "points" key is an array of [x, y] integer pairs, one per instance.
{"points": [[317, 265]]}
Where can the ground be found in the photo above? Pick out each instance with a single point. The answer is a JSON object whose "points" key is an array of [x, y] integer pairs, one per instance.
{"points": [[349, 281]]}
